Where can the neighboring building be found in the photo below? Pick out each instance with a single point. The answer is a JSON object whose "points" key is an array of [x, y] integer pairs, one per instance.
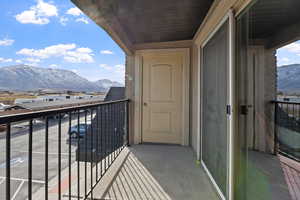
{"points": [[115, 93], [42, 105]]}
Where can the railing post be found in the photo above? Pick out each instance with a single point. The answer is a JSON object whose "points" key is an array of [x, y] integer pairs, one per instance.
{"points": [[8, 137], [275, 130], [127, 123]]}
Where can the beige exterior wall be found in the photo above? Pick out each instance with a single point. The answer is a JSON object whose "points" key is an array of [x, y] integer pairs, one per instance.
{"points": [[270, 77]]}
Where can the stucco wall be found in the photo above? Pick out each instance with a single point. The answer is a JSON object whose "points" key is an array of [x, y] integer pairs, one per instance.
{"points": [[270, 95]]}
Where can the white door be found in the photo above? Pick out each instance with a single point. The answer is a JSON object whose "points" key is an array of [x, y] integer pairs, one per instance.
{"points": [[162, 97]]}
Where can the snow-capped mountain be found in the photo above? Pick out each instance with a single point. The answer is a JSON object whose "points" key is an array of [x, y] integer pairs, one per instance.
{"points": [[289, 78], [26, 78]]}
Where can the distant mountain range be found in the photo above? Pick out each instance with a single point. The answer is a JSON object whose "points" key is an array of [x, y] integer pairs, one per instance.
{"points": [[289, 78], [29, 78]]}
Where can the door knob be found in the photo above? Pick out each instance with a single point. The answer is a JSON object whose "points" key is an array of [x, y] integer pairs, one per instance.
{"points": [[145, 104]]}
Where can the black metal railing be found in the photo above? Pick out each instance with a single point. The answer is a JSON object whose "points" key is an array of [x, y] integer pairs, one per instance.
{"points": [[95, 135], [287, 131]]}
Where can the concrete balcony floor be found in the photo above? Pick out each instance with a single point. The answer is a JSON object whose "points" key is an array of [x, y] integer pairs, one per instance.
{"points": [[160, 172]]}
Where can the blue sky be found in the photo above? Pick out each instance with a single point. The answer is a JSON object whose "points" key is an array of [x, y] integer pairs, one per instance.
{"points": [[55, 34], [289, 54]]}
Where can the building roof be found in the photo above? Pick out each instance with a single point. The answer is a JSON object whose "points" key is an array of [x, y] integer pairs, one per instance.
{"points": [[40, 105], [115, 93]]}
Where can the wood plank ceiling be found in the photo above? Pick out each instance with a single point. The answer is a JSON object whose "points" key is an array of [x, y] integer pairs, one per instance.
{"points": [[270, 16], [145, 21], [161, 20]]}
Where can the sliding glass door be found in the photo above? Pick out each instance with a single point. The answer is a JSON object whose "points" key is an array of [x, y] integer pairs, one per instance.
{"points": [[215, 98]]}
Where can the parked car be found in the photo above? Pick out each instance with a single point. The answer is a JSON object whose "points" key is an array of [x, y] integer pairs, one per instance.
{"points": [[82, 130]]}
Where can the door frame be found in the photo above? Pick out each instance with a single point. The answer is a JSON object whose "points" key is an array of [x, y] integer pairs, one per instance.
{"points": [[138, 89], [231, 101]]}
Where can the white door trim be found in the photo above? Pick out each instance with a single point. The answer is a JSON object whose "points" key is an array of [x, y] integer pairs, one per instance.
{"points": [[231, 100], [138, 109]]}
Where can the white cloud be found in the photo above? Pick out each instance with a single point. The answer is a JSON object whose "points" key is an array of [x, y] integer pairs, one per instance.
{"points": [[116, 68], [293, 47], [63, 21], [18, 61], [74, 11], [105, 66], [106, 52], [82, 19], [38, 14], [54, 50], [5, 60], [69, 52], [6, 42], [32, 64], [53, 66], [284, 61], [74, 70], [33, 60], [120, 69], [80, 55]]}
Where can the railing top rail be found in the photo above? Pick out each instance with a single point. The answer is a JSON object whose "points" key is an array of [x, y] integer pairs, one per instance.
{"points": [[49, 112], [286, 102]]}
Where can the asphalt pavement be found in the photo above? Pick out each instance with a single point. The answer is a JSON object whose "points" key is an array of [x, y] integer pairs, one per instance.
{"points": [[19, 157]]}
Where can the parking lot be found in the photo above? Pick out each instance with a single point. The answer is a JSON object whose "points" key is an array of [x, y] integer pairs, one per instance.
{"points": [[19, 157]]}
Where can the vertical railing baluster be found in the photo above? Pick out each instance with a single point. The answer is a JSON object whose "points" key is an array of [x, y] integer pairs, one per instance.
{"points": [[113, 130], [86, 152], [119, 127], [105, 137], [78, 154], [59, 156], [46, 155], [92, 152], [70, 153], [30, 160], [110, 134], [8, 152], [127, 123], [276, 131], [97, 142], [101, 140]]}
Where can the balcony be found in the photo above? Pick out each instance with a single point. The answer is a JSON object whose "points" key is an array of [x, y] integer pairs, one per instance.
{"points": [[82, 153]]}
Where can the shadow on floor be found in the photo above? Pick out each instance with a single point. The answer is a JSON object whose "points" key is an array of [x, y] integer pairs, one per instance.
{"points": [[161, 172]]}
